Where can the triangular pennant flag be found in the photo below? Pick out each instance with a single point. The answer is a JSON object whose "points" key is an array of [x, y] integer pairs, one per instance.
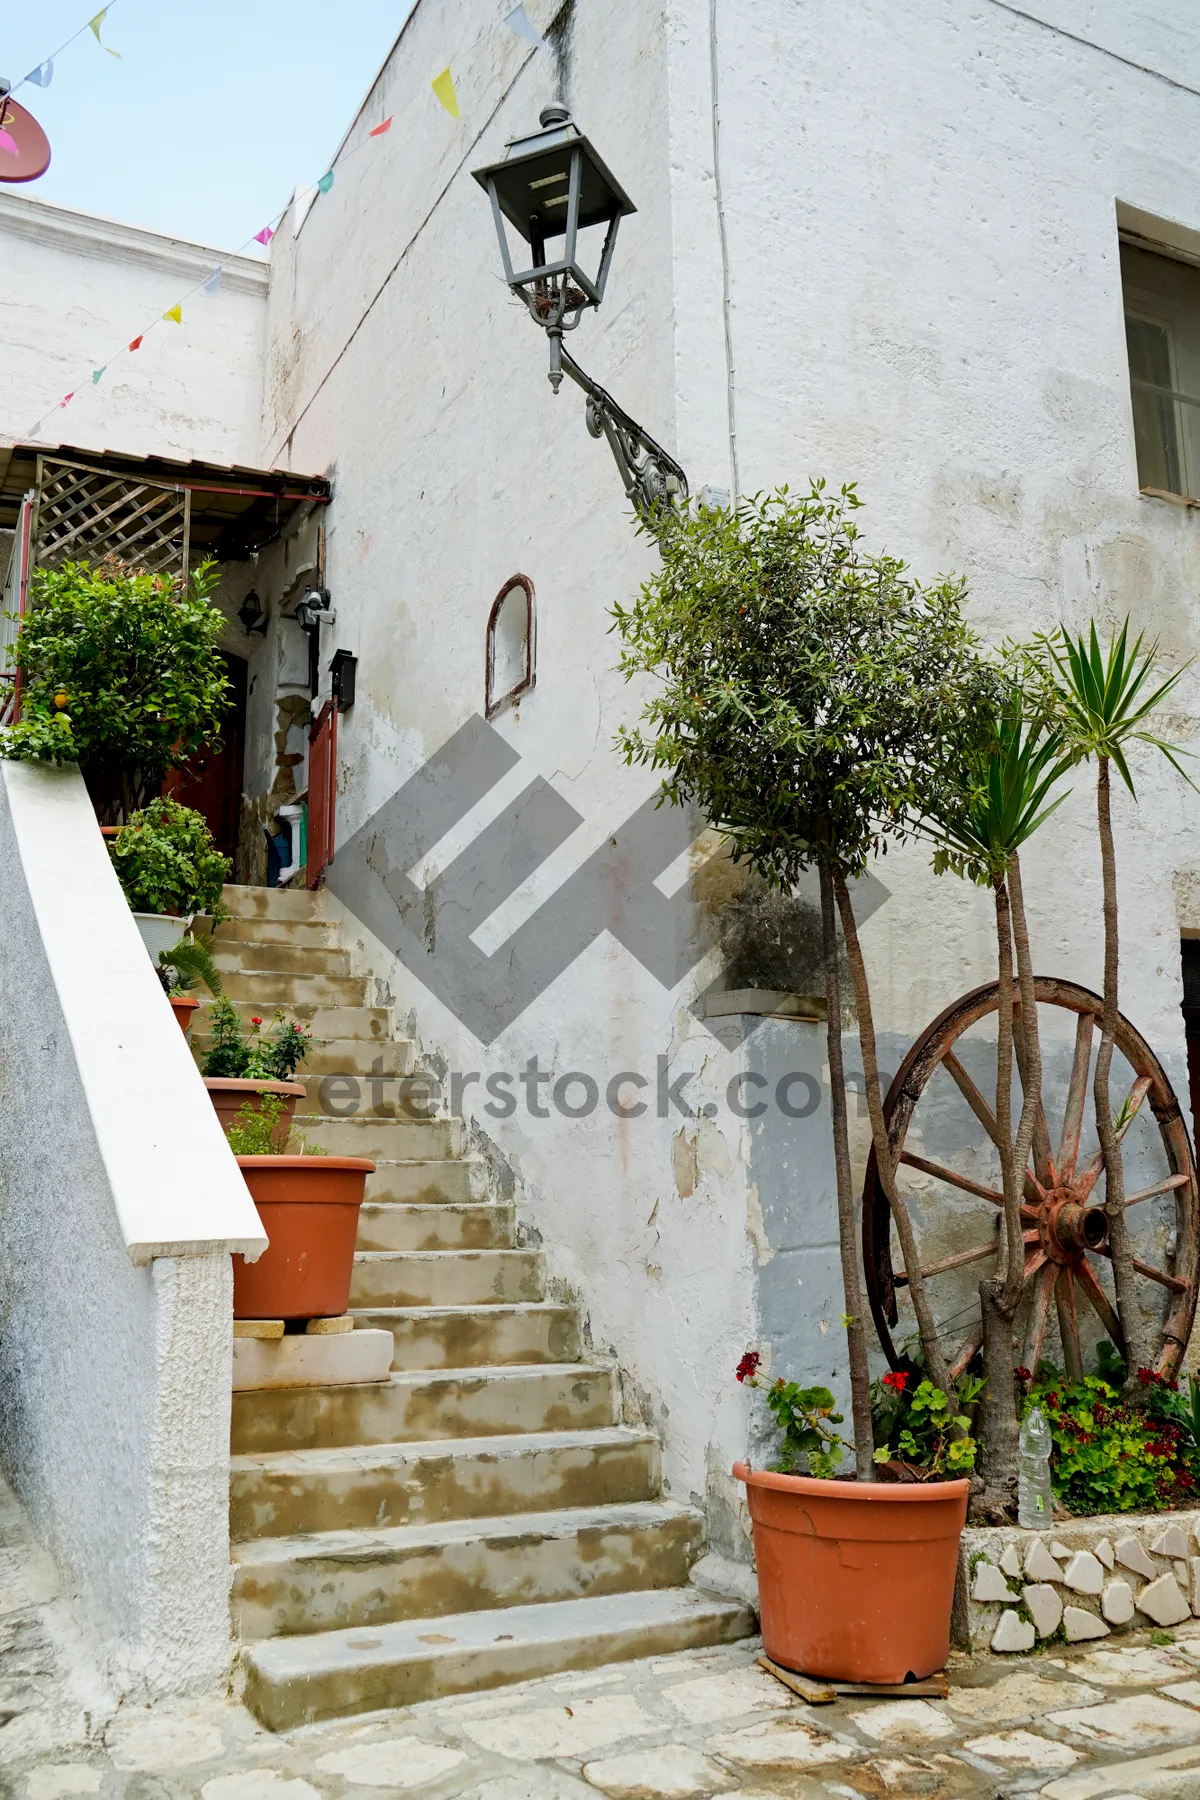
{"points": [[174, 313], [94, 27], [264, 236], [96, 374], [213, 284], [443, 87], [43, 75], [380, 129], [517, 21], [136, 344], [9, 144], [325, 183], [34, 429], [66, 399]]}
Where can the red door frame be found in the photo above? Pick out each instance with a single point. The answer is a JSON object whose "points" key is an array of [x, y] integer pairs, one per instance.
{"points": [[322, 792]]}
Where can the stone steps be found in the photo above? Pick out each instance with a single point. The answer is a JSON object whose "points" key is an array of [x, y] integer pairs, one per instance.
{"points": [[349, 1489], [482, 1516], [464, 1337], [298, 1680], [445, 1277], [469, 1225], [423, 1405], [336, 1579]]}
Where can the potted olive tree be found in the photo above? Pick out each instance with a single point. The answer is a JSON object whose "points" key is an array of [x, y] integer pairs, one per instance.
{"points": [[812, 700]]}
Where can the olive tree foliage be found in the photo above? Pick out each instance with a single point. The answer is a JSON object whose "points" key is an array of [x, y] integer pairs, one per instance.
{"points": [[814, 701], [120, 672]]}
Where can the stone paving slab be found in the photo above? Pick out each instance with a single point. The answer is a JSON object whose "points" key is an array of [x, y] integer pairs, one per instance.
{"points": [[1068, 1723]]}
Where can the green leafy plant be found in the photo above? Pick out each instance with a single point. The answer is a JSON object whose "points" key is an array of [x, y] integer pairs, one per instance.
{"points": [[806, 1418], [120, 670], [810, 699], [186, 965], [166, 861], [241, 1055], [263, 1130], [1109, 1456], [1169, 1406], [923, 1429]]}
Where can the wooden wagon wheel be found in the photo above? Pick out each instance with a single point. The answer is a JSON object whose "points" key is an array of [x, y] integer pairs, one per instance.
{"points": [[1065, 1223]]}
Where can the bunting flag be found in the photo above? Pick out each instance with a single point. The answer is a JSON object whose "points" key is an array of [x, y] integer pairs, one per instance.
{"points": [[264, 236], [136, 344], [66, 399], [380, 129], [212, 284], [517, 21], [174, 313], [43, 75], [96, 374], [325, 183], [443, 87], [94, 27], [9, 144]]}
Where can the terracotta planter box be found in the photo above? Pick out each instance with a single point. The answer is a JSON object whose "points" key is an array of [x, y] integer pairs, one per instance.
{"points": [[309, 1210], [1093, 1577], [229, 1094], [855, 1579], [184, 1010]]}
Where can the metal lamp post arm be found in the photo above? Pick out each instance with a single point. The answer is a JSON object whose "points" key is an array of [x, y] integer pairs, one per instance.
{"points": [[650, 474]]}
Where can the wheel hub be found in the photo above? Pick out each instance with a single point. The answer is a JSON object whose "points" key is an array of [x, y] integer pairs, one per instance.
{"points": [[1067, 1228]]}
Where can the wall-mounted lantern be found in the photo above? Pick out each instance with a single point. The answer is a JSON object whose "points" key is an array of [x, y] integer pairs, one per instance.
{"points": [[343, 673], [510, 668], [253, 615], [551, 185]]}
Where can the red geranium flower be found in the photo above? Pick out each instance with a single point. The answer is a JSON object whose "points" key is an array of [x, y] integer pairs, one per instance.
{"points": [[256, 1021], [896, 1379], [748, 1367]]}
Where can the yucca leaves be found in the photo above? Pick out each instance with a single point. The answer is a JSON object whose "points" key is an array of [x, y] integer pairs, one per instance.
{"points": [[187, 964], [1005, 804], [1104, 696]]}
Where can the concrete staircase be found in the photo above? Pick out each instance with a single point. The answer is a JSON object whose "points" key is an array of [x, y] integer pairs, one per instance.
{"points": [[484, 1516]]}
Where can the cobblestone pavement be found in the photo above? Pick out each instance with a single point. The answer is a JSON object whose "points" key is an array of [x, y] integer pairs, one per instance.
{"points": [[1089, 1724]]}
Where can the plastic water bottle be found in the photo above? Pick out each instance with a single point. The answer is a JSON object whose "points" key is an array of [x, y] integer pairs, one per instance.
{"points": [[1033, 1483]]}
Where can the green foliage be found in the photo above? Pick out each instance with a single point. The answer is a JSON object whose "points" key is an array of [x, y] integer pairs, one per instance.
{"points": [[1099, 697], [135, 658], [1110, 1365], [166, 861], [812, 699], [1168, 1406], [1002, 801], [805, 1416], [263, 1130], [916, 1425], [239, 1055], [186, 965], [1108, 1456]]}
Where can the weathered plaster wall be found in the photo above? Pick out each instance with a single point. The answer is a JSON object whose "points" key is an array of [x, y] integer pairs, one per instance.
{"points": [[78, 288], [115, 1369]]}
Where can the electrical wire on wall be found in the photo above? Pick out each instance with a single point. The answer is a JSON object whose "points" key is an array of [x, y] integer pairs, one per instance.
{"points": [[730, 373]]}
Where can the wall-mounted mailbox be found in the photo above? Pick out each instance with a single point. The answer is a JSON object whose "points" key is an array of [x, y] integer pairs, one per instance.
{"points": [[343, 671]]}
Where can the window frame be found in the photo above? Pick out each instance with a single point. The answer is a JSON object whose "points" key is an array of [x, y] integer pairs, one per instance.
{"points": [[494, 703]]}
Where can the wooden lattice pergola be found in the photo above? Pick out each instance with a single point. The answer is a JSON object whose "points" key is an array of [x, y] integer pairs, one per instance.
{"points": [[82, 513]]}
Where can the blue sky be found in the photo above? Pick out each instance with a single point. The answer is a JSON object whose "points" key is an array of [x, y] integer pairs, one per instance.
{"points": [[216, 110]]}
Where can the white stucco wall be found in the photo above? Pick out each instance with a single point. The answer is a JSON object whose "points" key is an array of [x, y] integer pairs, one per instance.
{"points": [[916, 225], [119, 1207], [77, 289]]}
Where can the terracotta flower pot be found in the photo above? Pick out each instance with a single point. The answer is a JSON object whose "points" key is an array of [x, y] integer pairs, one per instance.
{"points": [[229, 1094], [855, 1579], [183, 1008], [309, 1210]]}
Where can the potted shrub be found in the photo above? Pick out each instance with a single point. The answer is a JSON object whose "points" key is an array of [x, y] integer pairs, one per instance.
{"points": [[845, 1585], [813, 702], [170, 870], [121, 672], [308, 1203], [186, 965], [243, 1070]]}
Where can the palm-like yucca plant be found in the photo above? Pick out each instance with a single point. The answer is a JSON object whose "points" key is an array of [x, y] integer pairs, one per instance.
{"points": [[189, 964], [1101, 700], [1009, 798]]}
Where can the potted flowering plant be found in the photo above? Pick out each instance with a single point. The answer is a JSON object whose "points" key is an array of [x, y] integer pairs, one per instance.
{"points": [[242, 1068], [843, 1586], [308, 1203]]}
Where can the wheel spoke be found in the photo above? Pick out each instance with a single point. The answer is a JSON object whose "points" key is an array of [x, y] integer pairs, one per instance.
{"points": [[987, 1118], [1068, 1325], [1099, 1302], [1068, 1145], [1163, 1187], [1043, 1161], [965, 1354], [950, 1262], [1152, 1274], [1131, 1108], [1039, 1315], [952, 1176]]}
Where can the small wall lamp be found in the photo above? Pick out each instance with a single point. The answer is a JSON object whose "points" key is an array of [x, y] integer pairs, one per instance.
{"points": [[252, 615]]}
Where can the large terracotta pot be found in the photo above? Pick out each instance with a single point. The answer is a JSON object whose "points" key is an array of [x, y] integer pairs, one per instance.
{"points": [[229, 1094], [309, 1210], [855, 1579], [183, 1008]]}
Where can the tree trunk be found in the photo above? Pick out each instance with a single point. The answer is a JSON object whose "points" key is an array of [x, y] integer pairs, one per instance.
{"points": [[856, 1337], [1124, 1278], [999, 1429], [935, 1361], [1031, 1081]]}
